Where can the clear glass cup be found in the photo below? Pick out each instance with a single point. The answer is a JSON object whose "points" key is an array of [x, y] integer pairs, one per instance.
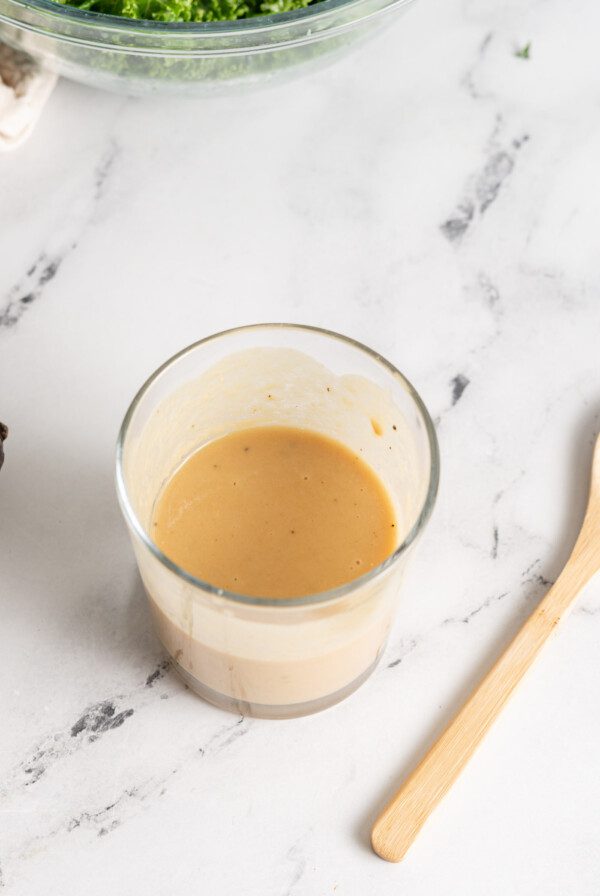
{"points": [[275, 658]]}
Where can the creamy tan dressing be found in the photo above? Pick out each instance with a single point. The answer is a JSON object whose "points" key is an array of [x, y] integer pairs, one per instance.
{"points": [[275, 511]]}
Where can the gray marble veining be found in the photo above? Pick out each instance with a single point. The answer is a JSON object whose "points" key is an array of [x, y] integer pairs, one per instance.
{"points": [[434, 195]]}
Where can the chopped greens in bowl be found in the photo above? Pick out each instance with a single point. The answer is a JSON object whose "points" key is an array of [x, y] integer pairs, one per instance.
{"points": [[188, 10], [190, 47]]}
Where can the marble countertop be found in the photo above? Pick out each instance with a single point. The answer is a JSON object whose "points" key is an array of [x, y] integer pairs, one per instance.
{"points": [[437, 197]]}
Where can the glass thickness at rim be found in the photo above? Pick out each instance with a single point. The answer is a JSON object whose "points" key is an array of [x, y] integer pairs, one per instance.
{"points": [[321, 596]]}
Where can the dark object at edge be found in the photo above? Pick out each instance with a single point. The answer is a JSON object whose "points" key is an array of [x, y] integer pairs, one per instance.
{"points": [[3, 435]]}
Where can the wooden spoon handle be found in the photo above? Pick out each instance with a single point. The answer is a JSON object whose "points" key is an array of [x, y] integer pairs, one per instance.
{"points": [[403, 817]]}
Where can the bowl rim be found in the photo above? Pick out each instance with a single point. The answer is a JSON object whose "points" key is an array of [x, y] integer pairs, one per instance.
{"points": [[320, 597], [253, 24]]}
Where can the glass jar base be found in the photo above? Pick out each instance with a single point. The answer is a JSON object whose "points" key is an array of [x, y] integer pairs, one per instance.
{"points": [[265, 710]]}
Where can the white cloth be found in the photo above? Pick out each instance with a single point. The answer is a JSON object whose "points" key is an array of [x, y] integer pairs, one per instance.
{"points": [[24, 89]]}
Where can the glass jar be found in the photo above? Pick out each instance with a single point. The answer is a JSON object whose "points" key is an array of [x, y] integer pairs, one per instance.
{"points": [[275, 657]]}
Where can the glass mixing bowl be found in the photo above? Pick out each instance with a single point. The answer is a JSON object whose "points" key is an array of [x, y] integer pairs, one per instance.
{"points": [[139, 57]]}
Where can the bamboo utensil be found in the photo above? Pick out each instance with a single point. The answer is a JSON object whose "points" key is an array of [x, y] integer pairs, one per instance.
{"points": [[402, 819]]}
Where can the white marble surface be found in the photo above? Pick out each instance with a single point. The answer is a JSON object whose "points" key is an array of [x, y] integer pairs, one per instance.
{"points": [[438, 198]]}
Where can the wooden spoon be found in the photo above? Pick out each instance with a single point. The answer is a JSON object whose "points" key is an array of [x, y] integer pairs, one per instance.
{"points": [[404, 816]]}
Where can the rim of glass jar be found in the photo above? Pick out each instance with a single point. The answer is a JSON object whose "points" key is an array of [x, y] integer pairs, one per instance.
{"points": [[318, 597]]}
